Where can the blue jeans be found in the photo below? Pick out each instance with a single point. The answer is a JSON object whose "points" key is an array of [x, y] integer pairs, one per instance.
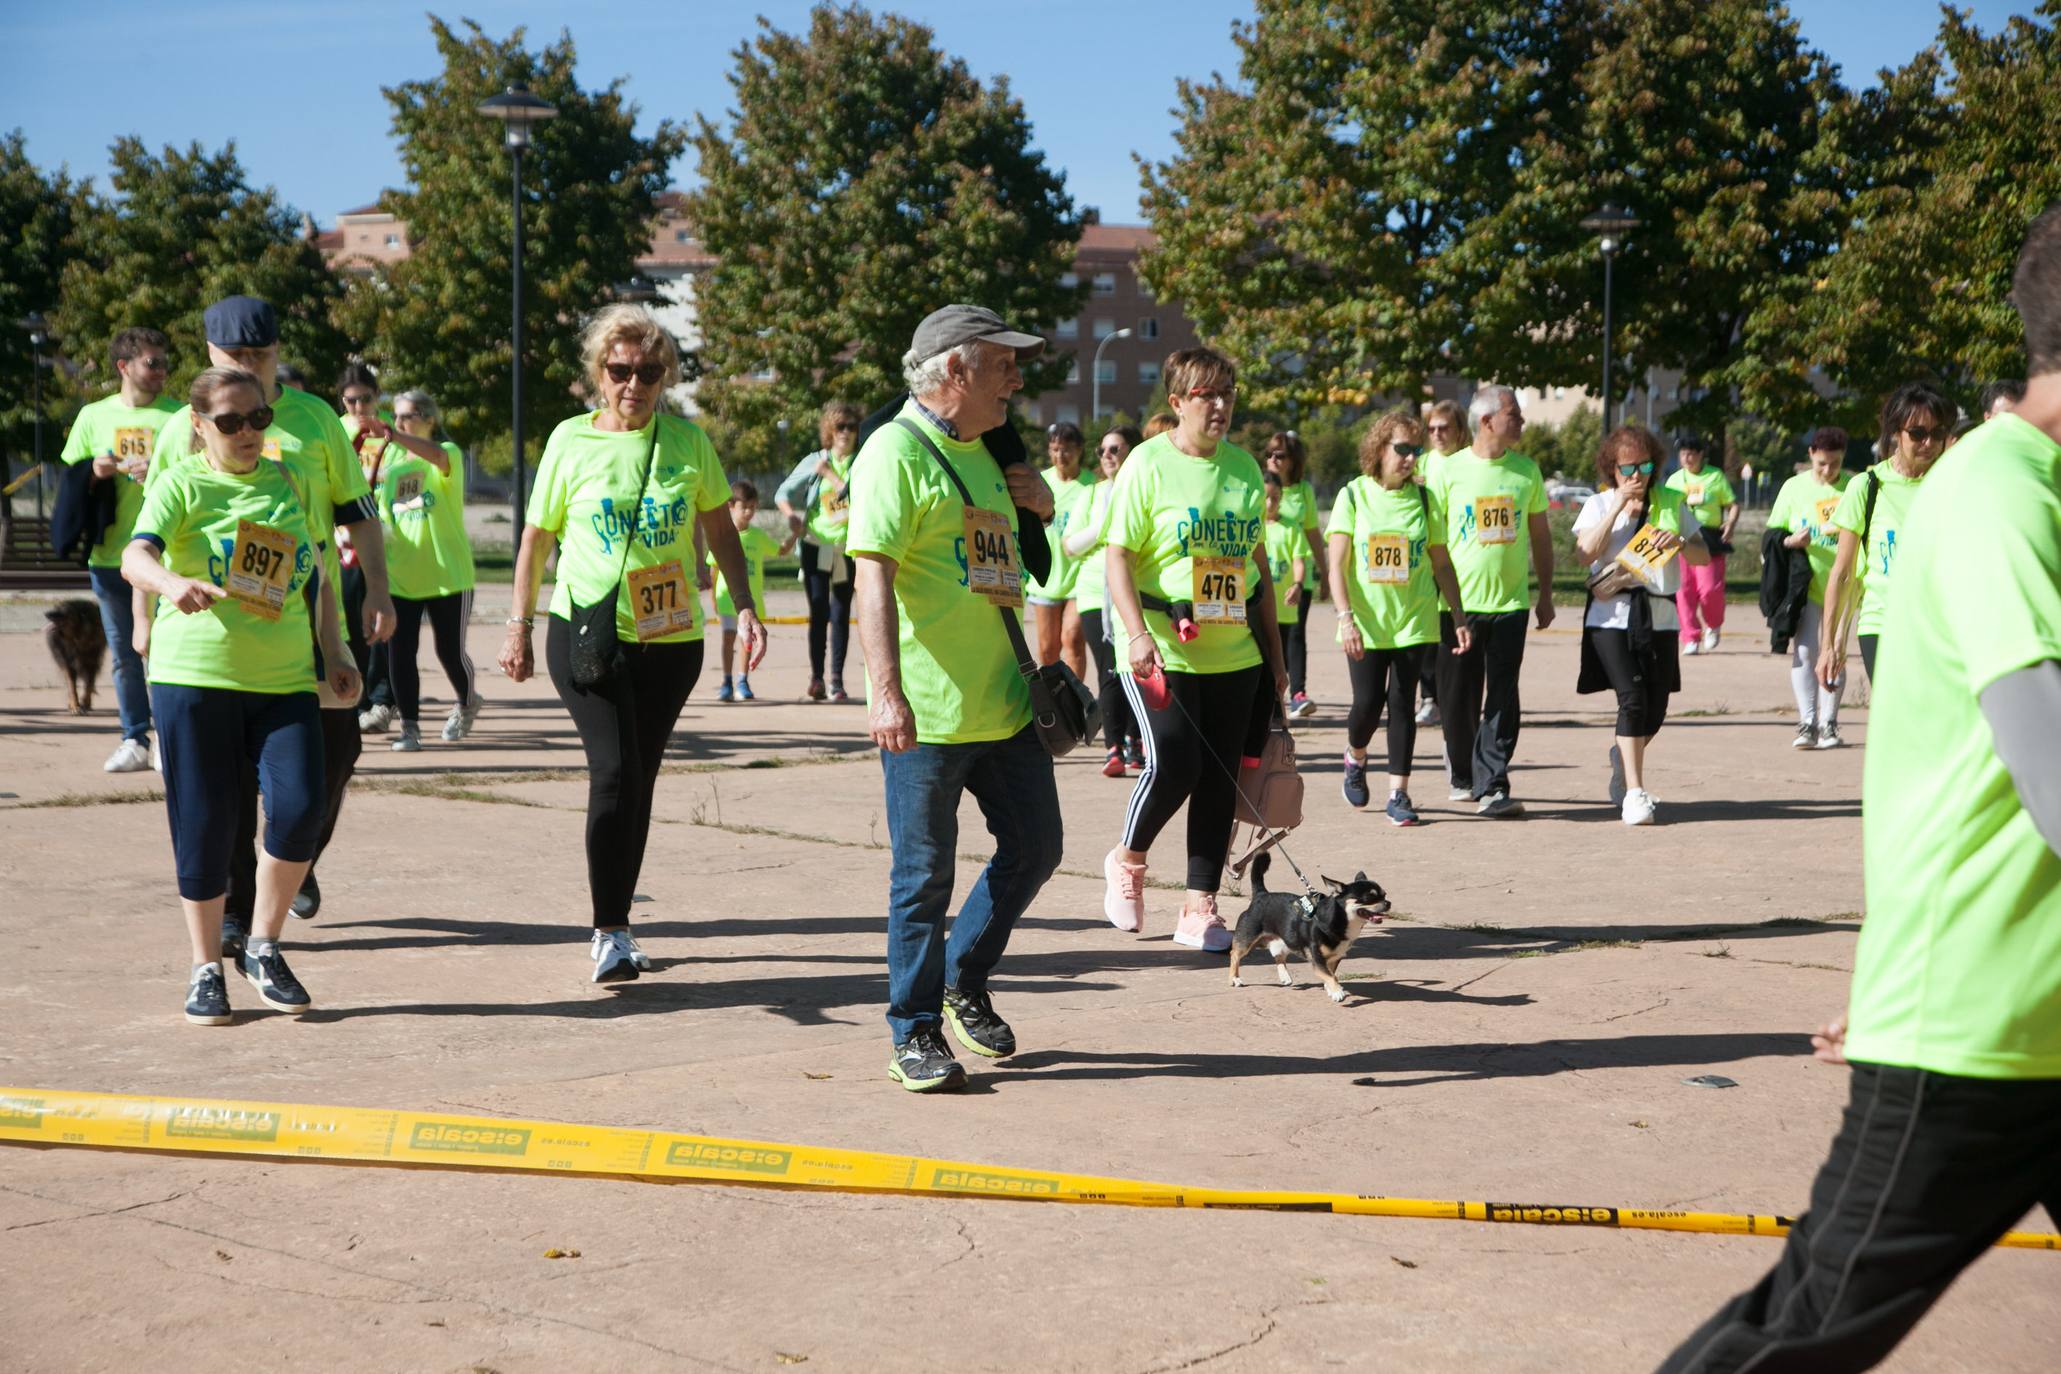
{"points": [[1011, 779], [132, 692]]}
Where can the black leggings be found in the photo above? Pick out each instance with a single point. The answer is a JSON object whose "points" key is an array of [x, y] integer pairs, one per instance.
{"points": [[1193, 749], [830, 608], [448, 617], [1295, 644], [372, 658], [1391, 674], [1117, 725], [624, 725], [1641, 707], [340, 748]]}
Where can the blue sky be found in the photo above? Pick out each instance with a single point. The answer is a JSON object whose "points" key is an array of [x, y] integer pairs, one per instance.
{"points": [[297, 85]]}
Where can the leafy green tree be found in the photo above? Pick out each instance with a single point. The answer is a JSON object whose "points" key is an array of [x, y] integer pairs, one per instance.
{"points": [[866, 179], [1962, 149], [38, 214], [439, 318], [185, 229], [1309, 221]]}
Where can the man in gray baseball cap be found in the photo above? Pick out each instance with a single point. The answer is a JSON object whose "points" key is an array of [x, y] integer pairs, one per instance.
{"points": [[935, 539]]}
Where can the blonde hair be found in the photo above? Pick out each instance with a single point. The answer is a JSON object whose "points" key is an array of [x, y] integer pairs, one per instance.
{"points": [[1384, 432], [1189, 368], [203, 391], [826, 423], [1160, 423], [633, 325], [1450, 411]]}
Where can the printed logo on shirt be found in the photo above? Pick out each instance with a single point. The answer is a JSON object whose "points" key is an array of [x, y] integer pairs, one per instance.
{"points": [[1225, 535], [659, 523], [1886, 551]]}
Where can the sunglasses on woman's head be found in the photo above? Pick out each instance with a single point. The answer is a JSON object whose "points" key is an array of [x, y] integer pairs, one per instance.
{"points": [[229, 422], [1634, 469], [647, 373]]}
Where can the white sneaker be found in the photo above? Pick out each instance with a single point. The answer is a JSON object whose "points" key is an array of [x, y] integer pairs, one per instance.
{"points": [[1638, 807], [615, 956], [1427, 713], [1459, 794], [128, 757], [1828, 737], [1710, 641], [157, 760], [375, 718], [458, 724], [409, 741], [1617, 789], [1693, 647]]}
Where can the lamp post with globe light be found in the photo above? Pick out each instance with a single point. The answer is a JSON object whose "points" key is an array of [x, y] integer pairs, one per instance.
{"points": [[1613, 222], [518, 111]]}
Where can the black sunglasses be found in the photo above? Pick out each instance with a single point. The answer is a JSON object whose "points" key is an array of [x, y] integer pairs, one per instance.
{"points": [[153, 364], [1924, 434], [1407, 450], [229, 422], [648, 373], [1633, 469], [845, 427]]}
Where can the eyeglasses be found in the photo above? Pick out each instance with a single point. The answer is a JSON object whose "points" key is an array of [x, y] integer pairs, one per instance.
{"points": [[402, 416], [1441, 426], [152, 364], [1406, 450], [1923, 434], [1207, 394], [355, 399], [229, 422], [843, 427], [1634, 469], [648, 373]]}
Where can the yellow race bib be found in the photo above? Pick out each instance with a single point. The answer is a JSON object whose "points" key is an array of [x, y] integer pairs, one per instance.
{"points": [[661, 601], [991, 565], [1388, 560], [1644, 558], [408, 491], [1495, 519], [1825, 508], [260, 563], [1219, 591]]}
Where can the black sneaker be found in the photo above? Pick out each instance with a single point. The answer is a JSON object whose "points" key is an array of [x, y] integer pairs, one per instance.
{"points": [[207, 1000], [276, 986], [972, 1018], [233, 936], [923, 1064], [308, 900], [1356, 794]]}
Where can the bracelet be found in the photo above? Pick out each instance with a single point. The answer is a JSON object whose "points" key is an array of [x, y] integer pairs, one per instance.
{"points": [[1141, 634], [522, 620]]}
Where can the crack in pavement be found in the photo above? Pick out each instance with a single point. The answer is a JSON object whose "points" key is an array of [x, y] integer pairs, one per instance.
{"points": [[1268, 1315], [1623, 1015], [83, 1215]]}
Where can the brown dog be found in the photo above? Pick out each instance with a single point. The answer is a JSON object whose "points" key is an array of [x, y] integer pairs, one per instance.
{"points": [[79, 645]]}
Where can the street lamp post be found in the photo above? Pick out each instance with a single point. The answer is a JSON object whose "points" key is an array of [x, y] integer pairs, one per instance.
{"points": [[1095, 387], [38, 331], [517, 110], [1612, 223]]}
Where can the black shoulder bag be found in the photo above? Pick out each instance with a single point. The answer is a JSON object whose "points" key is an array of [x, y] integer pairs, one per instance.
{"points": [[597, 655], [1064, 711]]}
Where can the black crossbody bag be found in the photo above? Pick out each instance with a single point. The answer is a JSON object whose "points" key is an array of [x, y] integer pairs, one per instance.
{"points": [[1064, 711], [597, 655]]}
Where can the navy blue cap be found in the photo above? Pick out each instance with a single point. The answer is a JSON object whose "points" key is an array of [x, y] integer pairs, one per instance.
{"points": [[241, 322]]}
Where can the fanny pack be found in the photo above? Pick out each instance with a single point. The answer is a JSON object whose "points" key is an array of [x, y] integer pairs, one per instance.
{"points": [[1064, 711]]}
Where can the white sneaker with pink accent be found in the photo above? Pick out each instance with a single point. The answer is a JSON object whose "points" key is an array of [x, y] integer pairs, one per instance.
{"points": [[1123, 899], [1202, 928]]}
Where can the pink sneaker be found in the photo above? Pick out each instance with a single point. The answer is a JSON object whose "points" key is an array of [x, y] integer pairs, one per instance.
{"points": [[1201, 928], [1123, 900]]}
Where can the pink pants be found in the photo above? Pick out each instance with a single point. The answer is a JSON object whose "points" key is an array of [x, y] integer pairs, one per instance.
{"points": [[1702, 597]]}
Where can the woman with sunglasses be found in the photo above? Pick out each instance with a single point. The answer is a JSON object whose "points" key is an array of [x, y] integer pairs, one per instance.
{"points": [[1084, 543], [1389, 568], [1635, 535], [815, 501], [1445, 433], [429, 564], [1202, 652], [1285, 457], [1917, 424], [619, 494], [224, 544]]}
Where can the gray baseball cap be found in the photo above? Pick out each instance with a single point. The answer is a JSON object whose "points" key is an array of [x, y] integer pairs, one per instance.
{"points": [[943, 330]]}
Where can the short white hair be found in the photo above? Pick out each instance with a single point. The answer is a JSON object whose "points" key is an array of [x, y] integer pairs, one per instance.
{"points": [[1489, 401], [927, 376]]}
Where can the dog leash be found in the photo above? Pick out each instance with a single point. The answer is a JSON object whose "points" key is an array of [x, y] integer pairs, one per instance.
{"points": [[1309, 897]]}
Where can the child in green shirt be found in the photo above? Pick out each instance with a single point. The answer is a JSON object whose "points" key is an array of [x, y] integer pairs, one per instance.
{"points": [[1285, 561], [758, 547]]}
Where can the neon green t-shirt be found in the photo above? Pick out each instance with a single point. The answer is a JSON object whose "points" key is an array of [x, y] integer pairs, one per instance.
{"points": [[1706, 493], [1299, 512], [1390, 615], [192, 514], [428, 553], [107, 426], [1959, 965], [958, 668], [1071, 503], [1873, 565], [1172, 508], [758, 547], [1806, 504], [306, 436], [1427, 466], [1091, 587], [587, 493], [1493, 577], [1283, 542], [830, 512]]}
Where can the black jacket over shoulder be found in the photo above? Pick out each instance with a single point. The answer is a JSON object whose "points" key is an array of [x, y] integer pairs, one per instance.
{"points": [[85, 508], [1005, 446], [1785, 587]]}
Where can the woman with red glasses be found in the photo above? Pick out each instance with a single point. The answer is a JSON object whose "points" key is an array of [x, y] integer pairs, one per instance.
{"points": [[618, 496]]}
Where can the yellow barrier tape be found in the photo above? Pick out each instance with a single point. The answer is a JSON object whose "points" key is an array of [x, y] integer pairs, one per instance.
{"points": [[293, 1131]]}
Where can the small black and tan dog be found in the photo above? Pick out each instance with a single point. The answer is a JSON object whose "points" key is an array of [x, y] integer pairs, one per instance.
{"points": [[79, 645], [1322, 931]]}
